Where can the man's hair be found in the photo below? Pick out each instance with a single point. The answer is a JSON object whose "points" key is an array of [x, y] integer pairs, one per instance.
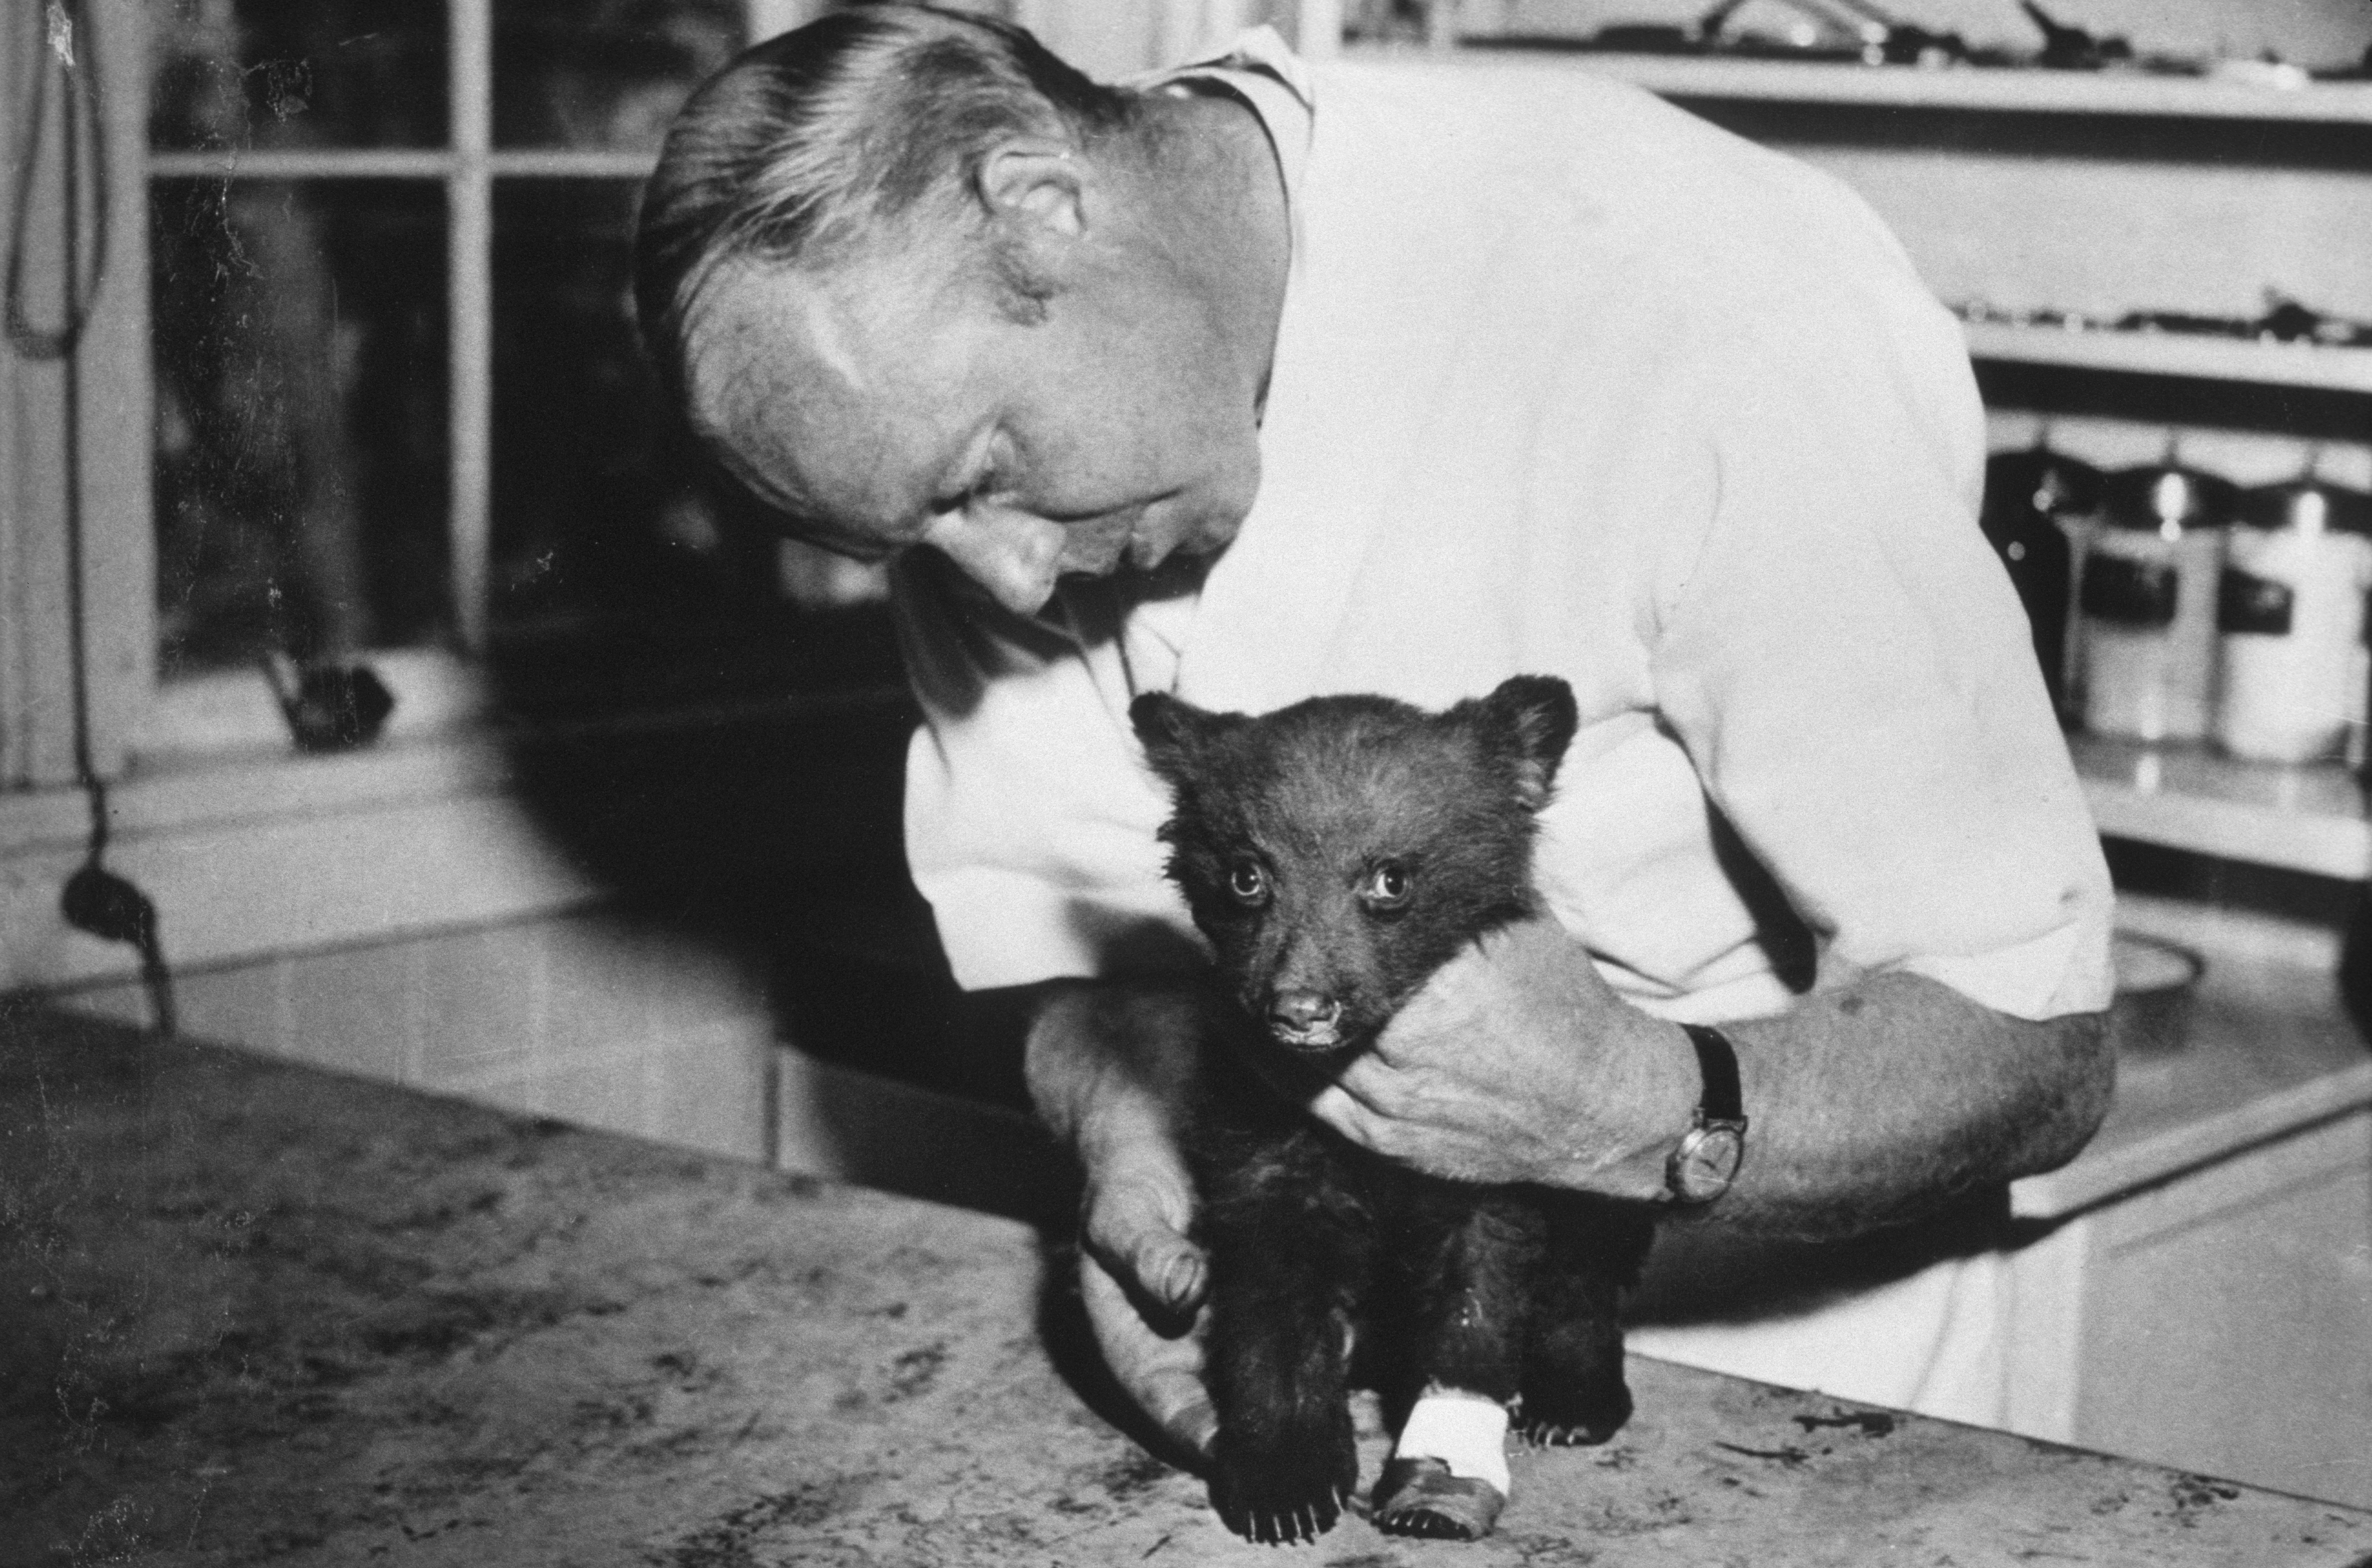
{"points": [[808, 144]]}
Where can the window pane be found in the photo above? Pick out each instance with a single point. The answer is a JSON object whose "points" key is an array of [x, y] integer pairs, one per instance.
{"points": [[603, 74], [282, 73], [300, 343], [595, 508]]}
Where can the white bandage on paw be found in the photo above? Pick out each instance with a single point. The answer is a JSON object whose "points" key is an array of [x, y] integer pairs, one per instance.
{"points": [[1466, 1431]]}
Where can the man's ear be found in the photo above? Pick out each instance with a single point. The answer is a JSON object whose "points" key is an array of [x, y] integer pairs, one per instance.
{"points": [[1033, 194], [1034, 186]]}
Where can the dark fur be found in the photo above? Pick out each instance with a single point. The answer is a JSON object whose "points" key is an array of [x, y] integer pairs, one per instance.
{"points": [[1502, 1291]]}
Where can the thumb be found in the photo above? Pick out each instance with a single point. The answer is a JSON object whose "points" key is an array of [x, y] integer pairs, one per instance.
{"points": [[1162, 1374], [1135, 1228]]}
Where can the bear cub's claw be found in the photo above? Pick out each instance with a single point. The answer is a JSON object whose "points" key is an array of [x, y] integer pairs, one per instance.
{"points": [[1572, 1422], [1297, 1525], [1290, 1496], [1541, 1434], [1420, 1497]]}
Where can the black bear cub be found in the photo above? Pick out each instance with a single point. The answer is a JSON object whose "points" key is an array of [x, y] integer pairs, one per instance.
{"points": [[1336, 853]]}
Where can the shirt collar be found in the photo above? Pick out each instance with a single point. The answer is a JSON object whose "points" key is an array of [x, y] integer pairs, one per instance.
{"points": [[1261, 72]]}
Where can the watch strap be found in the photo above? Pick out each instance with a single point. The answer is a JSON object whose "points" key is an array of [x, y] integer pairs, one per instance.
{"points": [[1717, 1062]]}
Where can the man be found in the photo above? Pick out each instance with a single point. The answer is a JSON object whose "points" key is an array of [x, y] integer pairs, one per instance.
{"points": [[1405, 380]]}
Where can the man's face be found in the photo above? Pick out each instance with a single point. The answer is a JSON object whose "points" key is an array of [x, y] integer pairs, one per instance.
{"points": [[888, 406]]}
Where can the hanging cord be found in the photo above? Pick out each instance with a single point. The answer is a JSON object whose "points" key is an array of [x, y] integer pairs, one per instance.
{"points": [[67, 27], [95, 900]]}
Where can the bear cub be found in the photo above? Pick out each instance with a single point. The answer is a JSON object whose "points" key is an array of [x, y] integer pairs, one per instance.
{"points": [[1336, 853]]}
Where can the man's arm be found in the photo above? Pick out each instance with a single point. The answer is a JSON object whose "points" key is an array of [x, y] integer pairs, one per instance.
{"points": [[1868, 1104], [1110, 1067]]}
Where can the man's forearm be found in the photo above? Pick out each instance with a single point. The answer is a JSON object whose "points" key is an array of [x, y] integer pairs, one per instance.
{"points": [[1110, 1067], [1109, 1061], [1876, 1102]]}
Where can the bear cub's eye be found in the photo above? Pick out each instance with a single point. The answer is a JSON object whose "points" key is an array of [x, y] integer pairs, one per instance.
{"points": [[1248, 881], [1387, 887]]}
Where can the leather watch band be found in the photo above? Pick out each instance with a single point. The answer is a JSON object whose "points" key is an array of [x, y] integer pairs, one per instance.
{"points": [[1707, 1159], [1717, 1060]]}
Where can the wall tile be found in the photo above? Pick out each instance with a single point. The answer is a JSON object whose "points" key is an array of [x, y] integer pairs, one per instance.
{"points": [[357, 1010], [482, 1002], [591, 1018], [600, 981], [118, 1002], [607, 1089], [521, 1090], [709, 1092], [610, 979], [246, 1005], [853, 1126]]}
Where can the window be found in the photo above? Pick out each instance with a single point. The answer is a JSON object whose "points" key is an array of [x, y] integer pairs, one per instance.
{"points": [[383, 340], [401, 402]]}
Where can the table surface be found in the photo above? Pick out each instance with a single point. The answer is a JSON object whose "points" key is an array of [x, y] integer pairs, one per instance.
{"points": [[254, 1312]]}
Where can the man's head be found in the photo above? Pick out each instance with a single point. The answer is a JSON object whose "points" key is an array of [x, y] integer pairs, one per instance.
{"points": [[917, 282]]}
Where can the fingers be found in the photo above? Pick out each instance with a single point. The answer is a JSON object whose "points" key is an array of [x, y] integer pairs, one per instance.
{"points": [[1383, 1112], [1357, 1119], [1163, 1375], [1135, 1223]]}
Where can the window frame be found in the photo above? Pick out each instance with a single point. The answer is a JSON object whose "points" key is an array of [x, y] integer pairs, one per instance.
{"points": [[433, 685], [136, 712]]}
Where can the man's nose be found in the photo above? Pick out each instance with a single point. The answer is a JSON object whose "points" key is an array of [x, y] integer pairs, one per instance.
{"points": [[1012, 554]]}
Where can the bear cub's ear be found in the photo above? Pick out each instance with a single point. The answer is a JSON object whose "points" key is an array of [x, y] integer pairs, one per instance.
{"points": [[1530, 720], [1172, 732]]}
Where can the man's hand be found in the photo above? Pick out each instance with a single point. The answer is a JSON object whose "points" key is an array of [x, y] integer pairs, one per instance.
{"points": [[1872, 1102], [1159, 1367], [1110, 1067], [1516, 1063]]}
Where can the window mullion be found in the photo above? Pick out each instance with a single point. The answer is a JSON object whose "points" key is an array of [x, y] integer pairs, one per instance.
{"points": [[470, 240]]}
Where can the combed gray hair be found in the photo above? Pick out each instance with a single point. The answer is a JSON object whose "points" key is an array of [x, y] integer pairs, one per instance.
{"points": [[809, 143]]}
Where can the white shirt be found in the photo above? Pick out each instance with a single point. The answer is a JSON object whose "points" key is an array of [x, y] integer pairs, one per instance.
{"points": [[1571, 382]]}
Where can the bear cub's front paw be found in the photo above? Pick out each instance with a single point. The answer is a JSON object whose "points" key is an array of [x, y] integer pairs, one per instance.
{"points": [[1573, 1413], [1288, 1485]]}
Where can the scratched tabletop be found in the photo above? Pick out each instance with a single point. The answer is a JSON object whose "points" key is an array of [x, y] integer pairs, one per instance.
{"points": [[251, 1312]]}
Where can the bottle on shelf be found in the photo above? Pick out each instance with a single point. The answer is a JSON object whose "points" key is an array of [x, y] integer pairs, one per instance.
{"points": [[2290, 622], [2038, 507], [2147, 604]]}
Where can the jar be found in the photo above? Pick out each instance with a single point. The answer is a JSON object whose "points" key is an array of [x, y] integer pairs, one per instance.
{"points": [[2148, 603], [2290, 622], [2038, 505]]}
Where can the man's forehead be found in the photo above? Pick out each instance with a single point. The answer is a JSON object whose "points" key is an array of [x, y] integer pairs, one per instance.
{"points": [[829, 394]]}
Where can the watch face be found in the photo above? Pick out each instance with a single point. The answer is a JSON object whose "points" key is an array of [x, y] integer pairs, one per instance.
{"points": [[1706, 1163]]}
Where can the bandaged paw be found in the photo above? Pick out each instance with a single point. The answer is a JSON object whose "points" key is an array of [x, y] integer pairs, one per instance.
{"points": [[1465, 1431]]}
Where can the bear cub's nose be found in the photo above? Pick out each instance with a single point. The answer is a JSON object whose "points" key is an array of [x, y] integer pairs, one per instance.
{"points": [[1305, 1017]]}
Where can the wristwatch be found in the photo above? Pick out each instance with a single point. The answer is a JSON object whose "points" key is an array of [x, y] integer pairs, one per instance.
{"points": [[1712, 1148]]}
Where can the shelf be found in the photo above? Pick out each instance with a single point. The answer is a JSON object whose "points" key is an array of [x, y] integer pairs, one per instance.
{"points": [[2309, 817], [1991, 91], [2175, 353]]}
